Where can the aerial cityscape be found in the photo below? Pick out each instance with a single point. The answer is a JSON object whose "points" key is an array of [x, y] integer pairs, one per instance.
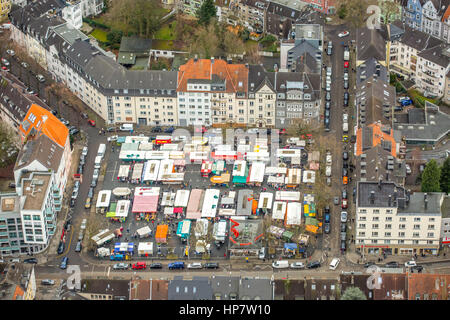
{"points": [[225, 150]]}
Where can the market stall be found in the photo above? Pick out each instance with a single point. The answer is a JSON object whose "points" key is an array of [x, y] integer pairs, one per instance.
{"points": [[218, 167], [145, 249], [256, 175], [206, 168], [240, 172], [124, 171], [145, 202], [195, 204], [151, 169], [144, 232], [161, 233], [103, 199], [221, 181], [137, 173], [121, 192], [279, 210], [184, 230], [211, 200], [293, 214], [182, 198]]}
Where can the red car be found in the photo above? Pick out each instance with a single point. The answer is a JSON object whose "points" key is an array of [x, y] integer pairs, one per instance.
{"points": [[346, 64], [91, 122], [139, 265], [344, 203]]}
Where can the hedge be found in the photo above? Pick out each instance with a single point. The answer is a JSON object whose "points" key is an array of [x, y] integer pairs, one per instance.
{"points": [[94, 23]]}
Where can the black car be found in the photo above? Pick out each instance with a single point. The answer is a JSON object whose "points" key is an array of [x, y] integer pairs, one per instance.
{"points": [[392, 264], [12, 185], [368, 264], [313, 265], [80, 169], [354, 192], [344, 194], [155, 265], [345, 155], [344, 172], [169, 130], [90, 192], [94, 183], [156, 129], [345, 165], [72, 203], [326, 209], [61, 248], [343, 227], [54, 112], [211, 265], [30, 260], [343, 245], [418, 268]]}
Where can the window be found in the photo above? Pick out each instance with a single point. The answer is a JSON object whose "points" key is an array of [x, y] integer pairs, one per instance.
{"points": [[388, 226], [36, 218]]}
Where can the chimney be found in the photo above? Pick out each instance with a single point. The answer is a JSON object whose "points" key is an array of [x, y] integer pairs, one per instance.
{"points": [[379, 183], [372, 197], [390, 200], [212, 59], [196, 58]]}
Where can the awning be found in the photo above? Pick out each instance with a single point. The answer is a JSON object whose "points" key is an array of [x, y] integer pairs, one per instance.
{"points": [[177, 210]]}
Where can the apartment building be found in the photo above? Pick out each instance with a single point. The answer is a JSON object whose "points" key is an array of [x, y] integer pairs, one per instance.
{"points": [[261, 97], [446, 26], [298, 98], [391, 221], [13, 107], [251, 14], [92, 7], [432, 67], [211, 92], [446, 98], [46, 147], [413, 13]]}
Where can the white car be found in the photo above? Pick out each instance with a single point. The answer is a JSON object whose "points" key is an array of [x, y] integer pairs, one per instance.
{"points": [[408, 169], [329, 71], [345, 117], [297, 265], [343, 34], [344, 216], [346, 76], [400, 99], [194, 265], [84, 152], [95, 174], [410, 264], [112, 138], [328, 87], [10, 52]]}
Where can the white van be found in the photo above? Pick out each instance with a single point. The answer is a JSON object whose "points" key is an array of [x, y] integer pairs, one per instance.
{"points": [[126, 127], [101, 150], [282, 264], [334, 263], [98, 162]]}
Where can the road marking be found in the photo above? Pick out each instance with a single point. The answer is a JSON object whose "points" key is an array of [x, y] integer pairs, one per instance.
{"points": [[109, 269], [115, 165]]}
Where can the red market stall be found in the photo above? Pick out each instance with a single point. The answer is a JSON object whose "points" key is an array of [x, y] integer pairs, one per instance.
{"points": [[206, 168]]}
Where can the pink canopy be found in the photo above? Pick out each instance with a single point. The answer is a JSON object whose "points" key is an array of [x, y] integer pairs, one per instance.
{"points": [[145, 204], [177, 210]]}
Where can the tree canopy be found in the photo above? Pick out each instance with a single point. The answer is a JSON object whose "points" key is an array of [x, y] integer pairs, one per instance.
{"points": [[445, 176], [353, 293], [206, 12], [431, 177]]}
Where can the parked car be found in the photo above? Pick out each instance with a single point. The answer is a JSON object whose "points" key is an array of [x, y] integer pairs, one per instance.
{"points": [[47, 282], [169, 130], [139, 265], [76, 186], [176, 265], [410, 264], [12, 185], [346, 65], [280, 264], [156, 265], [344, 193], [392, 264], [344, 204], [74, 131], [343, 245], [111, 129], [343, 227], [344, 172], [346, 97], [74, 194], [345, 155], [84, 152], [40, 78], [343, 34], [90, 192], [31, 91], [313, 265], [112, 138], [421, 168], [82, 160], [328, 105], [84, 115], [94, 183], [345, 76], [336, 200], [95, 174], [25, 65], [87, 205], [64, 262], [194, 265], [60, 248], [418, 268], [80, 169], [406, 102], [11, 52], [345, 84], [297, 265], [408, 169], [369, 264], [326, 227], [78, 247], [5, 62], [343, 216], [72, 202], [31, 260], [121, 266], [211, 265], [328, 96], [91, 122], [156, 129]]}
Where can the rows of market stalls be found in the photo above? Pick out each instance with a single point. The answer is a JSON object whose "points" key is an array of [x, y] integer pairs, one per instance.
{"points": [[252, 200]]}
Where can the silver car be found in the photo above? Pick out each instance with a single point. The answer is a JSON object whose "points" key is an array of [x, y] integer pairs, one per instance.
{"points": [[194, 265], [121, 266], [344, 216]]}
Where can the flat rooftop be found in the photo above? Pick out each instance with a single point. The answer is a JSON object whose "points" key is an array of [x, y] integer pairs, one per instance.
{"points": [[34, 188], [381, 192]]}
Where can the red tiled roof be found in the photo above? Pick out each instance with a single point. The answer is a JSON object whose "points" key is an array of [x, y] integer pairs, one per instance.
{"points": [[425, 283], [44, 122], [204, 69], [377, 138]]}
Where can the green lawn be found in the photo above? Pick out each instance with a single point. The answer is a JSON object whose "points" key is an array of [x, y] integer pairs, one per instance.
{"points": [[100, 35], [166, 33], [162, 45]]}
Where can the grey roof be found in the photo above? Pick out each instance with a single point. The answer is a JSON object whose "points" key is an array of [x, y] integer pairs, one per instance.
{"points": [[437, 125], [370, 44], [416, 116], [377, 98], [307, 63], [255, 289], [257, 4], [39, 27], [416, 203], [17, 105], [381, 192], [369, 68], [445, 208], [223, 286], [199, 288], [42, 149], [289, 289], [120, 289], [258, 76], [81, 52], [307, 83], [414, 38], [305, 48], [69, 34], [308, 31], [276, 15], [244, 207], [435, 55], [135, 45]]}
